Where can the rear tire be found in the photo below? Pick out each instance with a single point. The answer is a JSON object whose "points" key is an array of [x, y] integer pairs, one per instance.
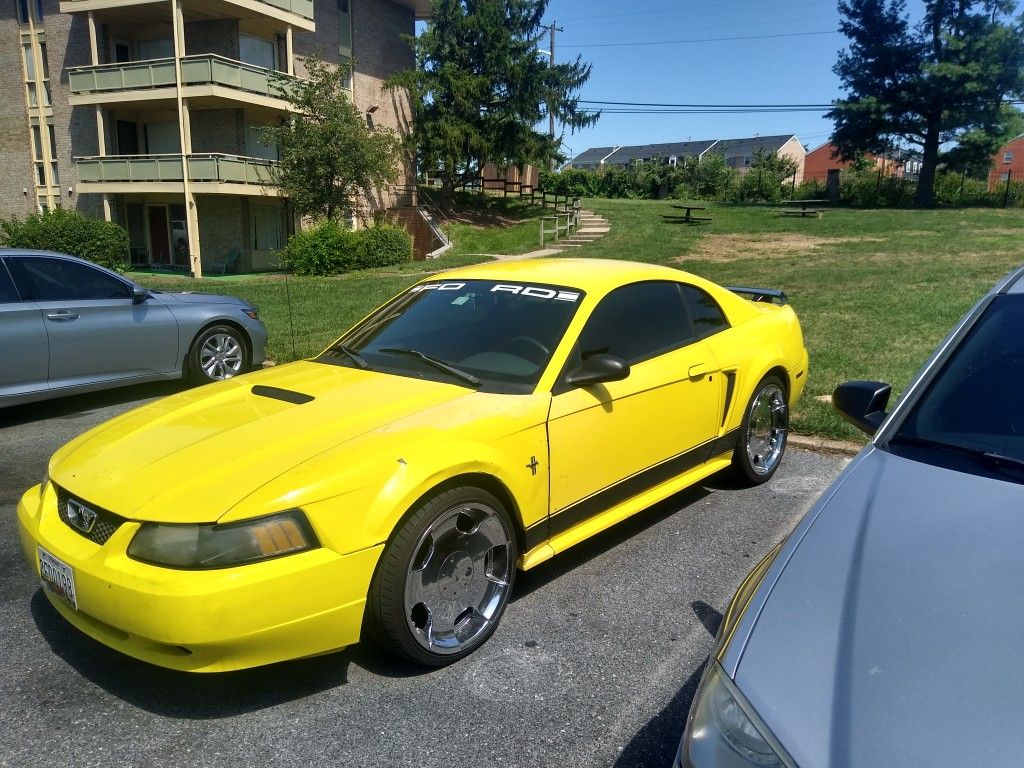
{"points": [[763, 433], [444, 579], [219, 352]]}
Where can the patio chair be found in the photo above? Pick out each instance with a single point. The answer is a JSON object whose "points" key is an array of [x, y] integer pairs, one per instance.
{"points": [[226, 264]]}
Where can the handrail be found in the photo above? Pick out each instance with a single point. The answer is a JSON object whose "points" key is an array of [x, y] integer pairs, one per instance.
{"points": [[289, 6]]}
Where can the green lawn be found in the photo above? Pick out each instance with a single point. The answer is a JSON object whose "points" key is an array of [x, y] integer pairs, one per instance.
{"points": [[875, 290]]}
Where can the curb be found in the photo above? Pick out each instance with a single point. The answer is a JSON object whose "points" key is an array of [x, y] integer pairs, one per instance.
{"points": [[823, 445]]}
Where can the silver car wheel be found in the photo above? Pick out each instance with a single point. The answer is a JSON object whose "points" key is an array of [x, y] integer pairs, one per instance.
{"points": [[221, 357], [459, 578], [767, 429]]}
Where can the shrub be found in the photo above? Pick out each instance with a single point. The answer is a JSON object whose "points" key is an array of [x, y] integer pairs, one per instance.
{"points": [[330, 248], [383, 245], [99, 241]]}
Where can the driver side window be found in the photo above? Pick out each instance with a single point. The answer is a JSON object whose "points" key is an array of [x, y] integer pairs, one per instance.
{"points": [[637, 322]]}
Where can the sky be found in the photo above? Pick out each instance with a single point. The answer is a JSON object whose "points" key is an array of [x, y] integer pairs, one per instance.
{"points": [[636, 58], [703, 52]]}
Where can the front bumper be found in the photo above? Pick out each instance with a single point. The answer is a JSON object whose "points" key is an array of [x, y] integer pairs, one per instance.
{"points": [[201, 621]]}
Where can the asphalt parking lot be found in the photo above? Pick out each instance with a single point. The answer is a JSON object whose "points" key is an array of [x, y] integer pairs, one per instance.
{"points": [[595, 663]]}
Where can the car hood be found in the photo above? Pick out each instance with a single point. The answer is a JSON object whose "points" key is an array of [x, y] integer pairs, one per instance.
{"points": [[893, 634], [192, 456], [199, 298]]}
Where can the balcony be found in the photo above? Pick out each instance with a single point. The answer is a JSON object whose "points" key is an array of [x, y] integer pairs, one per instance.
{"points": [[208, 174], [205, 79], [297, 13]]}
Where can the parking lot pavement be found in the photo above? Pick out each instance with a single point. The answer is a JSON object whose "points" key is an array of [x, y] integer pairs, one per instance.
{"points": [[595, 663]]}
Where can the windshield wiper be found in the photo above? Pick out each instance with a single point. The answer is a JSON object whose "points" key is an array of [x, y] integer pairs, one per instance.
{"points": [[981, 454], [351, 354], [436, 362]]}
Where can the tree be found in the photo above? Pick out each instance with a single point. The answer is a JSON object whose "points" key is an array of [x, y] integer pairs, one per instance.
{"points": [[479, 89], [329, 156], [928, 84]]}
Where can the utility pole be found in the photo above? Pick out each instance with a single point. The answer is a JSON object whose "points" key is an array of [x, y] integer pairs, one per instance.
{"points": [[552, 29]]}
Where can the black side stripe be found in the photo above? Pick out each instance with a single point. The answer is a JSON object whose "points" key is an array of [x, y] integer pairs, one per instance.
{"points": [[605, 499]]}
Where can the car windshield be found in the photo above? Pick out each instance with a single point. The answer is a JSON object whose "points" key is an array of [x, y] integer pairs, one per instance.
{"points": [[486, 335], [971, 417]]}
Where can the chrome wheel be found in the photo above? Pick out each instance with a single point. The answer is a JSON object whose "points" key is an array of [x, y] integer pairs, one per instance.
{"points": [[459, 578], [221, 357], [767, 428]]}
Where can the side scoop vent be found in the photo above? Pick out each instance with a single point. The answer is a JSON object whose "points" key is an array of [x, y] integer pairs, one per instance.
{"points": [[287, 395]]}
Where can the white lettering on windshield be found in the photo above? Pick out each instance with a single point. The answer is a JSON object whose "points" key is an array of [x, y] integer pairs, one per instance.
{"points": [[438, 287], [537, 293]]}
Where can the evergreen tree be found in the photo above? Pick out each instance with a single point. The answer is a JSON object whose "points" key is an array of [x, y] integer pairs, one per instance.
{"points": [[480, 89], [929, 84]]}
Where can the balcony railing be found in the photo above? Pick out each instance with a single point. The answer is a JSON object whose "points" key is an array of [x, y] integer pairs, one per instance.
{"points": [[225, 169], [303, 8], [205, 69]]}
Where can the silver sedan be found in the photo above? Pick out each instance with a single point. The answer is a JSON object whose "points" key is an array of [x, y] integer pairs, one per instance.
{"points": [[68, 326], [887, 630]]}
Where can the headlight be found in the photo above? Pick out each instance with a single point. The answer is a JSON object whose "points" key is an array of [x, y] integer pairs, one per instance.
{"points": [[223, 546], [725, 732]]}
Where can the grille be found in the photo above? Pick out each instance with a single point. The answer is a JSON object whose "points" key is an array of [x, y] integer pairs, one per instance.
{"points": [[106, 523]]}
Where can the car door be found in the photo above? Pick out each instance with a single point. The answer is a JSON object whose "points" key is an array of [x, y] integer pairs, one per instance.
{"points": [[611, 441], [96, 331], [24, 351]]}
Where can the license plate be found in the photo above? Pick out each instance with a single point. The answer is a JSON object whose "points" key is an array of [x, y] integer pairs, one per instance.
{"points": [[58, 577]]}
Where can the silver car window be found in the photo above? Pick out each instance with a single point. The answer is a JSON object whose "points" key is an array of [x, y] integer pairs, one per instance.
{"points": [[41, 278]]}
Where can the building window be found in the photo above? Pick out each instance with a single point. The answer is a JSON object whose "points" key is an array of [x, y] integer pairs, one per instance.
{"points": [[746, 160], [257, 51], [346, 65], [35, 6], [1007, 157], [265, 225]]}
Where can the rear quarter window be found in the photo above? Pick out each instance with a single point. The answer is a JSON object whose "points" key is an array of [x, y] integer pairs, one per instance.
{"points": [[708, 318]]}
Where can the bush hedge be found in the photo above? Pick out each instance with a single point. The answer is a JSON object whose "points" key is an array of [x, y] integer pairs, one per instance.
{"points": [[64, 231], [331, 248]]}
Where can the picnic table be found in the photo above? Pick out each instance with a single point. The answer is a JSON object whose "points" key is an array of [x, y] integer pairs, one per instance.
{"points": [[688, 217], [804, 208]]}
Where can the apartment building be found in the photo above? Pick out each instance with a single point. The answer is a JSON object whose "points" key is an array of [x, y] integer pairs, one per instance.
{"points": [[148, 113]]}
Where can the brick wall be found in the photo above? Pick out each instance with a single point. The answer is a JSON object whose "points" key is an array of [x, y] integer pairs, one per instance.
{"points": [[67, 44], [219, 36], [15, 150], [380, 51], [218, 130]]}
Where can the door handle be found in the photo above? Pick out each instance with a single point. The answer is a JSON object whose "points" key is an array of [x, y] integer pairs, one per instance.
{"points": [[63, 316], [698, 370]]}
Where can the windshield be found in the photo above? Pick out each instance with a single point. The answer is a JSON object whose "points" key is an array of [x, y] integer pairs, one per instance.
{"points": [[971, 417], [491, 336]]}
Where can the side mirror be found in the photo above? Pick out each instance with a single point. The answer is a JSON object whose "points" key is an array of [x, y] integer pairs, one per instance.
{"points": [[139, 294], [862, 403], [598, 369]]}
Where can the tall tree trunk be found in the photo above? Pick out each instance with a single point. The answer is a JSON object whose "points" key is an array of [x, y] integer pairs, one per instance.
{"points": [[925, 196]]}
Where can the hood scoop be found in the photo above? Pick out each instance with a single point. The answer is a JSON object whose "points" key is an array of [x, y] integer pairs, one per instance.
{"points": [[287, 395]]}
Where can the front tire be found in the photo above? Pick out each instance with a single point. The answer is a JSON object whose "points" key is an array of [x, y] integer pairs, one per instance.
{"points": [[764, 432], [220, 352], [444, 578]]}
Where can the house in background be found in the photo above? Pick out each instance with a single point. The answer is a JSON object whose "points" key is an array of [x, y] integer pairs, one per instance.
{"points": [[738, 153], [148, 112], [819, 161], [592, 159], [741, 153], [1007, 163]]}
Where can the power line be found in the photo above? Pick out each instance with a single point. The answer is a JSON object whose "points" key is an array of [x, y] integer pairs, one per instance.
{"points": [[704, 40], [657, 104], [688, 13]]}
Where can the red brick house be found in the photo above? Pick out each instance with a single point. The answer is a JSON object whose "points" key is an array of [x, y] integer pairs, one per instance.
{"points": [[1008, 160]]}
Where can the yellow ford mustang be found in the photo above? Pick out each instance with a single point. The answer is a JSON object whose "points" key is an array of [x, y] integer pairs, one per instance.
{"points": [[479, 423]]}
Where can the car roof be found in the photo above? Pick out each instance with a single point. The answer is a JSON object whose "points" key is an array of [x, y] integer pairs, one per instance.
{"points": [[597, 275]]}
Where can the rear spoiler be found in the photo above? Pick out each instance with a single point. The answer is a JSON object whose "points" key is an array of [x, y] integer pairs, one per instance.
{"points": [[763, 295]]}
